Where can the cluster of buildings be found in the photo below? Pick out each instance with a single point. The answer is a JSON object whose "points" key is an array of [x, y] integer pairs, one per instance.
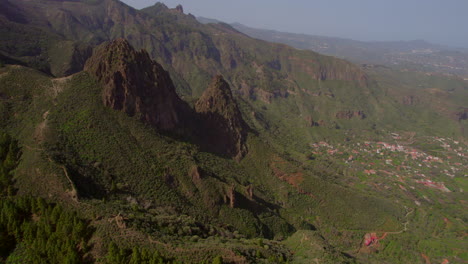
{"points": [[387, 164]]}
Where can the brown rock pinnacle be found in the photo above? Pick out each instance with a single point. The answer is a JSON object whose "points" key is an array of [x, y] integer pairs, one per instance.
{"points": [[180, 9], [225, 130], [135, 84]]}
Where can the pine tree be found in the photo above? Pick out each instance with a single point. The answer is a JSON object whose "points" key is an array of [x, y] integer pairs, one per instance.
{"points": [[72, 257], [113, 255], [218, 260], [135, 257]]}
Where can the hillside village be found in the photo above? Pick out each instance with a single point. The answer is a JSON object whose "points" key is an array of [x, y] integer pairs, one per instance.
{"points": [[414, 167]]}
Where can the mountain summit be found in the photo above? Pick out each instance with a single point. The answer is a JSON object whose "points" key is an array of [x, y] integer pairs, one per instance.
{"points": [[135, 84], [139, 86], [227, 131]]}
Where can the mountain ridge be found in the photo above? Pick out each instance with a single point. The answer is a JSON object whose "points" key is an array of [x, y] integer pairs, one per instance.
{"points": [[419, 55]]}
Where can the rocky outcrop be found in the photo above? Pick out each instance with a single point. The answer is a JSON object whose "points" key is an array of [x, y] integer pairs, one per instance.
{"points": [[462, 114], [225, 129], [136, 85], [140, 87], [195, 174], [231, 195], [312, 123], [268, 97], [348, 114], [179, 9], [409, 100], [250, 192]]}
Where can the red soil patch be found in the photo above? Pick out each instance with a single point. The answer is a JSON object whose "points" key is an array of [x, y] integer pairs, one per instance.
{"points": [[294, 179], [426, 258]]}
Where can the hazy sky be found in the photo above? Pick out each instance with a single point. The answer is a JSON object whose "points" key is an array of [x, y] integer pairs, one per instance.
{"points": [[437, 21]]}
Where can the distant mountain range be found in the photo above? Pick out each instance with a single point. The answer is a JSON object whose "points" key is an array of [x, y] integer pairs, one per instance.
{"points": [[417, 55]]}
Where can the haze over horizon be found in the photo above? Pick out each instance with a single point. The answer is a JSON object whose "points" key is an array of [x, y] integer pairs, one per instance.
{"points": [[439, 22]]}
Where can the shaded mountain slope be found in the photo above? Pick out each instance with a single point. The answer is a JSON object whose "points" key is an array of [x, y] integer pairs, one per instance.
{"points": [[226, 131], [169, 36]]}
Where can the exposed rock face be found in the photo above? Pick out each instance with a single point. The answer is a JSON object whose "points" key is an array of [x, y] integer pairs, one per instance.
{"points": [[138, 86], [268, 97], [462, 114], [250, 192], [180, 9], [225, 130], [350, 73], [135, 84], [330, 70], [409, 100], [310, 121], [232, 196], [350, 114], [195, 173]]}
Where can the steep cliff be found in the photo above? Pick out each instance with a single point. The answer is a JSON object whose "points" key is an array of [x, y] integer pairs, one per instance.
{"points": [[135, 84], [139, 86], [226, 131]]}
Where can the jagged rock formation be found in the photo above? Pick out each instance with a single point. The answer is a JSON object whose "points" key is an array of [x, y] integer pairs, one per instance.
{"points": [[136, 85], [350, 114], [226, 131], [180, 9], [139, 86]]}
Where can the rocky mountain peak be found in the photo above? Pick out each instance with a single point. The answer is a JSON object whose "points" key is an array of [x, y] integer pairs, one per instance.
{"points": [[135, 84], [225, 127], [217, 97], [180, 9]]}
